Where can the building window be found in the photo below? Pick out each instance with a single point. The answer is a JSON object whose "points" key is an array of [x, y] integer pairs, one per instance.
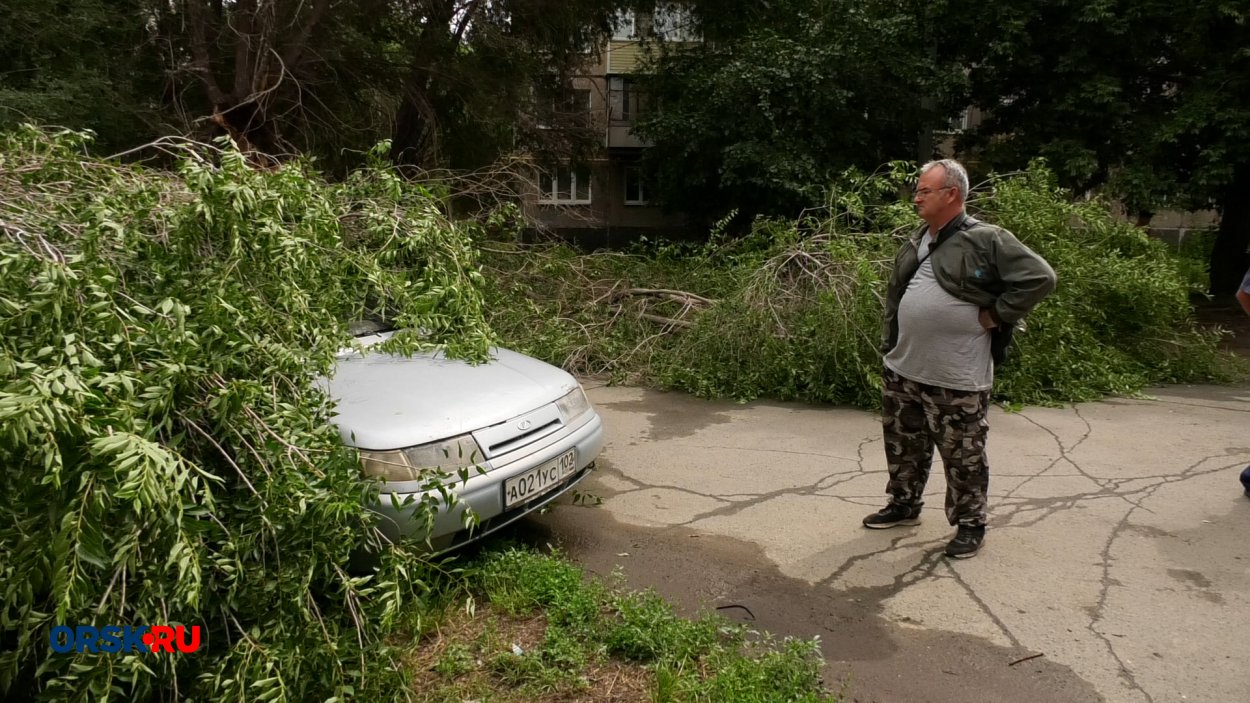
{"points": [[969, 119], [576, 102], [625, 26], [571, 108], [567, 186], [626, 103], [961, 123], [673, 21], [635, 190]]}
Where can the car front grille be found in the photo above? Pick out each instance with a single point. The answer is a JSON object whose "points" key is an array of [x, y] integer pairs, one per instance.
{"points": [[522, 439], [519, 432]]}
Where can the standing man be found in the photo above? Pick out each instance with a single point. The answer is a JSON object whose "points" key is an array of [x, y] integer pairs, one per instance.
{"points": [[956, 281]]}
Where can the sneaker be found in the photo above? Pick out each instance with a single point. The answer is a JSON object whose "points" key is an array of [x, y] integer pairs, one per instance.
{"points": [[891, 516], [967, 542]]}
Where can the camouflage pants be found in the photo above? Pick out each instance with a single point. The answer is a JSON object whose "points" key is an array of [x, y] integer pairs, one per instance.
{"points": [[915, 418]]}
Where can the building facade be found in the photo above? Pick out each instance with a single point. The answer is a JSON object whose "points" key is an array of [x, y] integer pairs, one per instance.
{"points": [[605, 202]]}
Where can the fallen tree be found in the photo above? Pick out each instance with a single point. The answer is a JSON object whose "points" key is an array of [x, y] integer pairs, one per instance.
{"points": [[166, 453], [793, 309]]}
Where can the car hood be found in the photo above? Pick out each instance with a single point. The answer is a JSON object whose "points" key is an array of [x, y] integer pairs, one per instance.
{"points": [[388, 401]]}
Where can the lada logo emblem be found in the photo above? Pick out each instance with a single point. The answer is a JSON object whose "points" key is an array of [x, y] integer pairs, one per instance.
{"points": [[524, 425]]}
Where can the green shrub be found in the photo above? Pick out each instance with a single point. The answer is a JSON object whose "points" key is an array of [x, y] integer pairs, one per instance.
{"points": [[166, 454], [795, 306], [1120, 319]]}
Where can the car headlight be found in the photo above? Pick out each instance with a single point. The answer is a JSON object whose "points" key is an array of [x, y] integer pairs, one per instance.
{"points": [[459, 457], [573, 404]]}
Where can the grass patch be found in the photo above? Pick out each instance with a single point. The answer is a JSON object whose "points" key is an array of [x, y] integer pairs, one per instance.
{"points": [[521, 625]]}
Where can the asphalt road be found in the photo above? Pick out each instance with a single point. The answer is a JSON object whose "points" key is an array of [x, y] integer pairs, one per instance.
{"points": [[1118, 548]]}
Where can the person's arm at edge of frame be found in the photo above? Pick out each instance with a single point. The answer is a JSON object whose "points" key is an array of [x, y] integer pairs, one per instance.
{"points": [[1243, 293]]}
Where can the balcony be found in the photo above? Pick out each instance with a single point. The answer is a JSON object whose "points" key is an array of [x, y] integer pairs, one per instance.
{"points": [[626, 104]]}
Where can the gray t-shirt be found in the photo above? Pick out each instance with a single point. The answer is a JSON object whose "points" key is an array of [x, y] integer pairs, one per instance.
{"points": [[940, 338]]}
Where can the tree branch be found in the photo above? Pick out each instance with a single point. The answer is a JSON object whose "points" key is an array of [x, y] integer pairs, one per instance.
{"points": [[465, 18], [666, 321], [678, 295]]}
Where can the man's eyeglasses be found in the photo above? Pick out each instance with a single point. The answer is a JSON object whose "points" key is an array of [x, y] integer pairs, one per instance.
{"points": [[926, 192]]}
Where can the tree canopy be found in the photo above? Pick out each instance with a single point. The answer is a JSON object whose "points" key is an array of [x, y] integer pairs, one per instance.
{"points": [[781, 97], [1141, 98], [92, 64], [1144, 97], [450, 83]]}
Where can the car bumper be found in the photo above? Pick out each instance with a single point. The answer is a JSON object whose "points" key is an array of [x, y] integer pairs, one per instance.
{"points": [[484, 494]]}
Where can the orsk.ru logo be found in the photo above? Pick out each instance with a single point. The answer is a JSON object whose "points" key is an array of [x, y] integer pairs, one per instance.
{"points": [[124, 638]]}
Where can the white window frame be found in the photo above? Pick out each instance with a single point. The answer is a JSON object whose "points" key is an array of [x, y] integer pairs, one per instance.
{"points": [[625, 26], [549, 192], [642, 187], [960, 124]]}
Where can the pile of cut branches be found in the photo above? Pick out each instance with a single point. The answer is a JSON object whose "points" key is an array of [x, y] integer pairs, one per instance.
{"points": [[653, 301], [793, 309]]}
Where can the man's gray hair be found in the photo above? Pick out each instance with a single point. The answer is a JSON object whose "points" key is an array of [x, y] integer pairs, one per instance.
{"points": [[956, 175]]}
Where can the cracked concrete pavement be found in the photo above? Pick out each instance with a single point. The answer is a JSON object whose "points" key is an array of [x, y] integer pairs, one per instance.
{"points": [[1117, 547]]}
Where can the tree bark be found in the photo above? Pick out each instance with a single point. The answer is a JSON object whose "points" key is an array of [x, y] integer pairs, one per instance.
{"points": [[202, 63], [413, 134], [246, 35], [295, 49], [1229, 259]]}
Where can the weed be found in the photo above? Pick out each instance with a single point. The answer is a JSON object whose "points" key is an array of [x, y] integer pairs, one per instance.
{"points": [[595, 637], [646, 629], [457, 659]]}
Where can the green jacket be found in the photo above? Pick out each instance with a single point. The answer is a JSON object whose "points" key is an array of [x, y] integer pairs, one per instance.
{"points": [[977, 263]]}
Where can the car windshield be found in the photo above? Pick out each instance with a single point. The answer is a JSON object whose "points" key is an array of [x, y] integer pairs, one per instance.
{"points": [[365, 328]]}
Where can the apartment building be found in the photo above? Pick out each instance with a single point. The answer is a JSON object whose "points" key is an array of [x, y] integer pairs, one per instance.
{"points": [[605, 201]]}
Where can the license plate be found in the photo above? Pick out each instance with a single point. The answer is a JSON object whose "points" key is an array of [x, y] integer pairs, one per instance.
{"points": [[539, 480]]}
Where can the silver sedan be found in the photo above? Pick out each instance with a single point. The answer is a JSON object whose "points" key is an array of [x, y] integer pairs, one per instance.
{"points": [[482, 445]]}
